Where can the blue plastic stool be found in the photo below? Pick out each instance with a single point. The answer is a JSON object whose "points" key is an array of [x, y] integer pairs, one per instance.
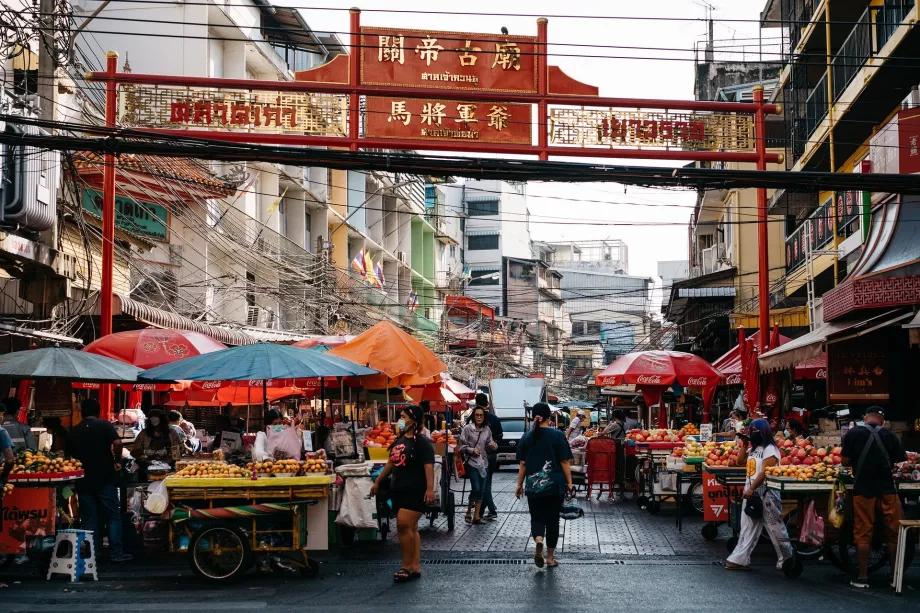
{"points": [[68, 558]]}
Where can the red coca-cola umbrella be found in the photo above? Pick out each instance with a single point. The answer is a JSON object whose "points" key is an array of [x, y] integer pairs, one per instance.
{"points": [[323, 340], [151, 347], [652, 372]]}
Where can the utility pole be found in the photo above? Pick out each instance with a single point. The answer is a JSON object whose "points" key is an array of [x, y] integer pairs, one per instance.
{"points": [[46, 59]]}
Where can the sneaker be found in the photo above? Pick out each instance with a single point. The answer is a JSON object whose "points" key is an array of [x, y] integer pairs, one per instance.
{"points": [[124, 557], [862, 584], [490, 516]]}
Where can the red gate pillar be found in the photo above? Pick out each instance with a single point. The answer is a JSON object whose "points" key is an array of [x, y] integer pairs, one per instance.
{"points": [[354, 77], [542, 86], [108, 223], [763, 273]]}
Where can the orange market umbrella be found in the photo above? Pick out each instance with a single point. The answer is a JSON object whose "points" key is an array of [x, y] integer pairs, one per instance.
{"points": [[401, 360], [236, 395]]}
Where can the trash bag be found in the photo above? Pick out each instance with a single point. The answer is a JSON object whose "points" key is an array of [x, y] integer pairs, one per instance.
{"points": [[157, 498], [836, 506], [812, 527], [358, 506]]}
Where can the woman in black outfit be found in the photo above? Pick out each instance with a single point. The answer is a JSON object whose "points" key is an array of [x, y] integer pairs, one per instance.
{"points": [[411, 471], [544, 455]]}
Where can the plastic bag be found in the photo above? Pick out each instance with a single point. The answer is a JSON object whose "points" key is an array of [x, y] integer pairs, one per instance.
{"points": [[836, 506], [812, 532], [135, 505], [358, 506], [284, 444], [157, 498]]}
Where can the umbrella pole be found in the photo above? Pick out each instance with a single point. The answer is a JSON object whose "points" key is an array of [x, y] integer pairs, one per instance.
{"points": [[322, 401], [264, 396]]}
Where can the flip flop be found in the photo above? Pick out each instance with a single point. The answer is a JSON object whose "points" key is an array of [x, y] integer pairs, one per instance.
{"points": [[414, 575], [538, 556], [402, 575], [552, 564]]}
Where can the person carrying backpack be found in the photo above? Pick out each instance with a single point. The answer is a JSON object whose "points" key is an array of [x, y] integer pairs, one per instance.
{"points": [[871, 451]]}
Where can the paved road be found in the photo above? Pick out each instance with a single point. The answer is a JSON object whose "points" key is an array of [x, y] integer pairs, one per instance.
{"points": [[616, 558]]}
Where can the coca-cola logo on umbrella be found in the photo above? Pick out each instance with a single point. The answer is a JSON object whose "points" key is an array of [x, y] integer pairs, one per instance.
{"points": [[651, 364], [649, 379], [697, 381]]}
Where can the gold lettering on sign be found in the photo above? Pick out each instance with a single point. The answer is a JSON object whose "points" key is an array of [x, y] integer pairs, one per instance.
{"points": [[428, 50], [466, 56], [467, 114], [507, 55], [433, 112], [399, 112], [390, 49], [498, 117]]}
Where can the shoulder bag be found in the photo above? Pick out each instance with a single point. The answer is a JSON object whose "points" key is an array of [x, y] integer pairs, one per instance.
{"points": [[541, 482]]}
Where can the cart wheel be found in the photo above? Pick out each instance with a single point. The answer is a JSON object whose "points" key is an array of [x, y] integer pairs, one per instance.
{"points": [[731, 543], [694, 499], [451, 509], [310, 570], [219, 552], [643, 502], [793, 567], [710, 531], [654, 507]]}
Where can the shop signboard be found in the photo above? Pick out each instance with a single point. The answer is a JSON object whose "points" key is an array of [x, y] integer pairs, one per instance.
{"points": [[858, 369], [816, 232], [715, 498], [849, 205], [28, 512], [135, 216]]}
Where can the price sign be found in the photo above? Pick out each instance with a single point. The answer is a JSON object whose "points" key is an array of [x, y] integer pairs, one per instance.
{"points": [[705, 432]]}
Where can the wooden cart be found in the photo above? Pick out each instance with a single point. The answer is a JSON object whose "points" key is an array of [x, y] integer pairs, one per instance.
{"points": [[221, 523]]}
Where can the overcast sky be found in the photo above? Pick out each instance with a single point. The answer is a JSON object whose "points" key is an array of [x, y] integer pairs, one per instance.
{"points": [[614, 75]]}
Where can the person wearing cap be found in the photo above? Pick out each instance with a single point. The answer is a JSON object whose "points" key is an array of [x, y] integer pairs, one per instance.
{"points": [[871, 451], [20, 433], [576, 428]]}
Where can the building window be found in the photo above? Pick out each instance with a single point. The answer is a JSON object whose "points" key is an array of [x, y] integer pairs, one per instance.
{"points": [[485, 277], [453, 251], [592, 327], [482, 208], [481, 243]]}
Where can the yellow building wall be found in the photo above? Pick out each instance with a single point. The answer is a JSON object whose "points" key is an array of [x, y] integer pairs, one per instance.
{"points": [[338, 231], [72, 244]]}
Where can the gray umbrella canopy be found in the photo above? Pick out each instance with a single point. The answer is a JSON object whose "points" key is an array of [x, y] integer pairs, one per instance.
{"points": [[62, 363], [259, 361]]}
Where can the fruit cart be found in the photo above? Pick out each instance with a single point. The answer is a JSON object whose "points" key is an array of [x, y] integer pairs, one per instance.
{"points": [[29, 514], [222, 521], [838, 545], [652, 480]]}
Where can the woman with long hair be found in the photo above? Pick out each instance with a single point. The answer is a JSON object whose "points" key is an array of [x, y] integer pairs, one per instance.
{"points": [[545, 477], [410, 469], [474, 446], [763, 454]]}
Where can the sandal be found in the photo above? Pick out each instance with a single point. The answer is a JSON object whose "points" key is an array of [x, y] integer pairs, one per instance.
{"points": [[469, 516], [552, 564], [415, 575], [402, 575], [733, 566], [538, 556]]}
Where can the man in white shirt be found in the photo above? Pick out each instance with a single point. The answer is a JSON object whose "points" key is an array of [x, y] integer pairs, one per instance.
{"points": [[576, 428]]}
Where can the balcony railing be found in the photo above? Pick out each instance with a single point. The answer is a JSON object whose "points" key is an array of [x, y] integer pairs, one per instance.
{"points": [[888, 17], [853, 54], [814, 233], [816, 106], [799, 14]]}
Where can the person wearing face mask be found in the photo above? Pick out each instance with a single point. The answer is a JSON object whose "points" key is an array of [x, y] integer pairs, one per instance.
{"points": [[277, 441], [763, 454], [156, 442], [794, 429], [410, 469]]}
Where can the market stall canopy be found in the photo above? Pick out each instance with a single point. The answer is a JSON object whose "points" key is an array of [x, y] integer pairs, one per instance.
{"points": [[236, 395], [62, 363], [259, 361], [730, 363], [810, 347], [436, 395], [458, 389], [400, 359], [151, 347]]}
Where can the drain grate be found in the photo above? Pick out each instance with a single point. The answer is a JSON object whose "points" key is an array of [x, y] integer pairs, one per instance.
{"points": [[474, 561]]}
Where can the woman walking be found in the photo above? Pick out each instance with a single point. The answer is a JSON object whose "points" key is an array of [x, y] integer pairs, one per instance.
{"points": [[544, 476], [411, 472], [763, 454], [474, 446]]}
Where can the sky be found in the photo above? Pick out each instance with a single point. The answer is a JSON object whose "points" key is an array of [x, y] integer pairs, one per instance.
{"points": [[593, 211]]}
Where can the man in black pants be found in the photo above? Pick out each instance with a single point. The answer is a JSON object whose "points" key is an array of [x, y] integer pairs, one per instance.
{"points": [[495, 425]]}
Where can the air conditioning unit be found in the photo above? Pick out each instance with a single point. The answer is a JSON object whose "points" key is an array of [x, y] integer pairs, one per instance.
{"points": [[403, 257]]}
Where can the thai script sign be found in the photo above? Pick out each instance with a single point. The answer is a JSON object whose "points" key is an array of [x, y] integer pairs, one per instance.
{"points": [[448, 60], [248, 111], [616, 128], [430, 119], [27, 513], [136, 216]]}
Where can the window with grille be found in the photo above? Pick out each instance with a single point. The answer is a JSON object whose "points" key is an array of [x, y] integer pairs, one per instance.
{"points": [[480, 243], [482, 208]]}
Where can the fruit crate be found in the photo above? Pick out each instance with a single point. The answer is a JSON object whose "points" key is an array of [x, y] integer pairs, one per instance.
{"points": [[45, 477]]}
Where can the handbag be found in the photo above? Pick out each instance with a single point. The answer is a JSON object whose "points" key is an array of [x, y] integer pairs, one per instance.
{"points": [[459, 466], [571, 511], [754, 506]]}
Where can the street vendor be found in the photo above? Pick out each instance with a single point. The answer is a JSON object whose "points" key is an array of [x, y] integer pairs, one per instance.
{"points": [[734, 423], [19, 432], [577, 427], [616, 429], [872, 450], [156, 441], [276, 440]]}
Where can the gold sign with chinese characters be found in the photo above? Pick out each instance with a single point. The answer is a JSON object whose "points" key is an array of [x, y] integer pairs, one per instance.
{"points": [[446, 120], [448, 60], [246, 111], [580, 127]]}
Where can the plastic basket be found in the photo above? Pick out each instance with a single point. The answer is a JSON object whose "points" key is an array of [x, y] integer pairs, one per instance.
{"points": [[377, 453]]}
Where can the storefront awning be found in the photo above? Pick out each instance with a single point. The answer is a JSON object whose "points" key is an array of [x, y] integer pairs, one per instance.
{"points": [[811, 346]]}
